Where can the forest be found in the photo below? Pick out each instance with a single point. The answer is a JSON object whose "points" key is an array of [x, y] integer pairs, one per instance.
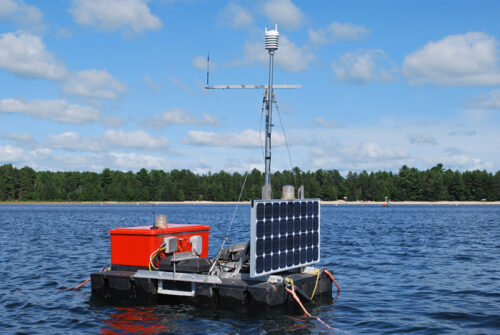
{"points": [[409, 184]]}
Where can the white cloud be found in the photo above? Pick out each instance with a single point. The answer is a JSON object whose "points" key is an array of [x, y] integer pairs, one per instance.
{"points": [[110, 15], [284, 13], [136, 139], [337, 32], [179, 116], [464, 162], [200, 63], [320, 122], [25, 55], [151, 84], [72, 141], [22, 139], [248, 138], [364, 66], [111, 139], [113, 121], [16, 10], [468, 59], [422, 139], [487, 101], [235, 16], [93, 84], [358, 156], [56, 110], [289, 56], [10, 154]]}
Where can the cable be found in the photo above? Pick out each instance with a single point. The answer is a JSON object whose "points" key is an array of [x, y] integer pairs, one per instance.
{"points": [[286, 141], [232, 220]]}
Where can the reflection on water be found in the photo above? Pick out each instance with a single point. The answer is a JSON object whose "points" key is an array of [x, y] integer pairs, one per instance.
{"points": [[424, 269], [140, 320]]}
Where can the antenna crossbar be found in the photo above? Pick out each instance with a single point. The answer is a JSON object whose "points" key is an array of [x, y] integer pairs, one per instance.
{"points": [[243, 86]]}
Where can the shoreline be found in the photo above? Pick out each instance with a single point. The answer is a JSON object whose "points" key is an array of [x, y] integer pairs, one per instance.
{"points": [[336, 203]]}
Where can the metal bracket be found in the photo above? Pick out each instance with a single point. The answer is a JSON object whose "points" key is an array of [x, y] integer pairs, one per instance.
{"points": [[180, 293], [179, 276], [242, 258]]}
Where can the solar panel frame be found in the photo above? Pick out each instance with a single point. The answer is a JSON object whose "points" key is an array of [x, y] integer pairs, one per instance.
{"points": [[284, 235]]}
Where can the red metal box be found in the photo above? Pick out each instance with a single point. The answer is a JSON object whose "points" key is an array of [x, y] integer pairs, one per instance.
{"points": [[133, 246]]}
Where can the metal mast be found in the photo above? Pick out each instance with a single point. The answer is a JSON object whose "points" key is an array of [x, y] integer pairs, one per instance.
{"points": [[271, 47]]}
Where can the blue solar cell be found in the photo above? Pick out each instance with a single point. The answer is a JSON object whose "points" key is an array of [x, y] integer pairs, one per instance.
{"points": [[289, 243], [303, 241], [276, 210], [303, 224], [296, 209], [303, 208], [315, 238], [303, 256], [289, 226], [296, 224], [268, 211], [283, 210], [260, 211], [276, 261], [268, 263], [316, 208], [309, 254], [276, 244], [309, 224], [259, 264], [283, 243], [296, 241], [259, 250], [309, 208], [276, 227], [283, 260], [315, 223], [309, 239], [260, 229], [289, 209], [268, 246], [296, 258], [268, 228]]}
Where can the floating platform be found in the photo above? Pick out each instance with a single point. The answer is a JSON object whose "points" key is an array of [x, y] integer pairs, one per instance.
{"points": [[187, 281]]}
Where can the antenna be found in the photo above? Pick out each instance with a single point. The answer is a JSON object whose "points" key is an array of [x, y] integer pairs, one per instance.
{"points": [[208, 66], [271, 45]]}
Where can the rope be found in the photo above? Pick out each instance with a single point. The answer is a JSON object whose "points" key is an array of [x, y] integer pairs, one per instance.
{"points": [[315, 285], [286, 142], [294, 295], [333, 279], [85, 282], [230, 223]]}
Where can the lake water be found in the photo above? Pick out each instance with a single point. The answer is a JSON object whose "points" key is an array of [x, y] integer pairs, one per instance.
{"points": [[418, 269]]}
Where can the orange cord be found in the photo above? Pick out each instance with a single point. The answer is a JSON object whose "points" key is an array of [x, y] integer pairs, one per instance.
{"points": [[78, 287], [85, 282], [333, 279], [294, 295]]}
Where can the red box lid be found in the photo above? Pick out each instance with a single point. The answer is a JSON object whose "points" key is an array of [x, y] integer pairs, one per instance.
{"points": [[171, 229]]}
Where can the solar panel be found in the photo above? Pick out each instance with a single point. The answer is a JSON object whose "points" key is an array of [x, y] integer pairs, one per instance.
{"points": [[284, 234]]}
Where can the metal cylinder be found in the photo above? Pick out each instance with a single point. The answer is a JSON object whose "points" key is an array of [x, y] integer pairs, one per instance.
{"points": [[161, 221], [288, 192]]}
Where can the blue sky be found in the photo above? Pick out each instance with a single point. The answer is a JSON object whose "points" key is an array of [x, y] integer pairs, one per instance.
{"points": [[87, 85]]}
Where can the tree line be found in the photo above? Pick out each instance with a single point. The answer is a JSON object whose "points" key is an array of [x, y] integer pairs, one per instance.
{"points": [[433, 184]]}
